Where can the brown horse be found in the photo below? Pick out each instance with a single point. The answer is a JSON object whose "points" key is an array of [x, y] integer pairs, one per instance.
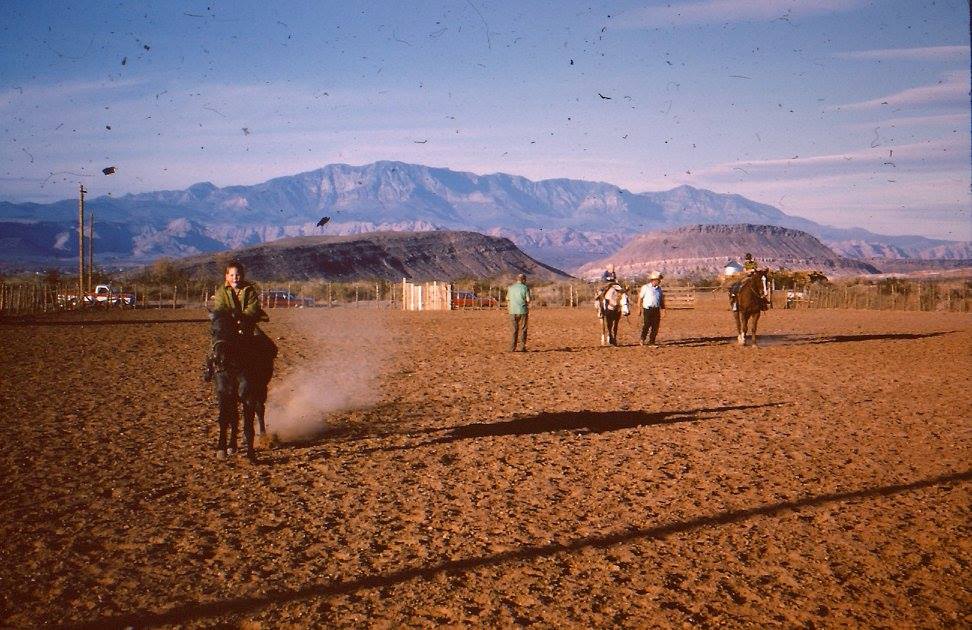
{"points": [[750, 302]]}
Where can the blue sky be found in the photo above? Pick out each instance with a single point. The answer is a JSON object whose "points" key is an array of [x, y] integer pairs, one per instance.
{"points": [[848, 112]]}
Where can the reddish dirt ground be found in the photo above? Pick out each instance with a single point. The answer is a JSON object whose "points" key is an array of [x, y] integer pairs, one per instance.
{"points": [[821, 480]]}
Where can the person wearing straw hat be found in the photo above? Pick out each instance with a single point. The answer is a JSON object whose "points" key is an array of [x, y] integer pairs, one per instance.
{"points": [[652, 301]]}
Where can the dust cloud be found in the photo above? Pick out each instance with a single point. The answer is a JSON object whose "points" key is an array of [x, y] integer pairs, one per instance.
{"points": [[337, 368]]}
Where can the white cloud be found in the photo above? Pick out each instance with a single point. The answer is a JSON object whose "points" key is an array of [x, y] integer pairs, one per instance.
{"points": [[920, 188], [951, 89], [55, 94], [917, 54], [940, 120], [935, 155], [718, 11]]}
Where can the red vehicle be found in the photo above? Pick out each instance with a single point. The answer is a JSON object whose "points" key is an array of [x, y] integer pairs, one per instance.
{"points": [[281, 298], [468, 299]]}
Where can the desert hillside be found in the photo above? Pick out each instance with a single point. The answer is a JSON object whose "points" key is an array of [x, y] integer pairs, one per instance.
{"points": [[437, 255]]}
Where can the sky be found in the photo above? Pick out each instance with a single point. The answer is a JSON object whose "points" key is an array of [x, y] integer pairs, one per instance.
{"points": [[851, 113]]}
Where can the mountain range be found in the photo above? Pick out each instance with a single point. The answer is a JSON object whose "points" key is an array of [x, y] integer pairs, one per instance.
{"points": [[562, 222]]}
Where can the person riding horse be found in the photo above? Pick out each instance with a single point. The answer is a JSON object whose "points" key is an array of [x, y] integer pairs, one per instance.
{"points": [[239, 298], [612, 302], [235, 313], [750, 266]]}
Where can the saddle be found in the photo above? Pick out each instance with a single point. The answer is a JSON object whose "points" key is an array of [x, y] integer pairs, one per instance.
{"points": [[603, 305], [734, 289]]}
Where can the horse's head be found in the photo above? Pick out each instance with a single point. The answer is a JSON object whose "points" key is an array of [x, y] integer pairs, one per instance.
{"points": [[226, 339], [760, 277], [223, 327]]}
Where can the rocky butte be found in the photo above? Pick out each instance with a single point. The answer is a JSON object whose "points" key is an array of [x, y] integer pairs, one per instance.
{"points": [[705, 249], [436, 255]]}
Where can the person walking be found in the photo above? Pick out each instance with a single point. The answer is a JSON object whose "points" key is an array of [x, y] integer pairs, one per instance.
{"points": [[518, 304], [652, 302]]}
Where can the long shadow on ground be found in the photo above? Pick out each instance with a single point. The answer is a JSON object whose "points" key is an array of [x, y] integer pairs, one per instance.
{"points": [[101, 322], [581, 422], [240, 605], [794, 340]]}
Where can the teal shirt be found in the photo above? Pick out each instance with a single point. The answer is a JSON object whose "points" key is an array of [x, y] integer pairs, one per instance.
{"points": [[518, 298]]}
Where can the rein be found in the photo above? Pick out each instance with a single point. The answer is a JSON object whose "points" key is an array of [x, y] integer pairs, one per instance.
{"points": [[749, 285]]}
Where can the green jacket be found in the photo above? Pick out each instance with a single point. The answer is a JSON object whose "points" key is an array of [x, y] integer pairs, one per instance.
{"points": [[246, 309]]}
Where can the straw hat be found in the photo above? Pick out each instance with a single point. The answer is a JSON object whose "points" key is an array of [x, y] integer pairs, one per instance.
{"points": [[655, 276]]}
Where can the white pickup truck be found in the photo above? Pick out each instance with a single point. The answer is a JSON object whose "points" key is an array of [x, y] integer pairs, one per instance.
{"points": [[106, 294]]}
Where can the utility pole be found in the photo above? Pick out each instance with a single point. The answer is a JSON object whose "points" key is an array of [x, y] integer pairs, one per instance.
{"points": [[81, 243], [90, 251]]}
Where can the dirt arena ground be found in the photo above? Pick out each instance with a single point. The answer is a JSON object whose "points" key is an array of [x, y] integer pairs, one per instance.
{"points": [[822, 480]]}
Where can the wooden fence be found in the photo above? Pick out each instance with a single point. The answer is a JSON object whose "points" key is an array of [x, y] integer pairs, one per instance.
{"points": [[679, 297], [31, 298], [430, 296], [916, 296]]}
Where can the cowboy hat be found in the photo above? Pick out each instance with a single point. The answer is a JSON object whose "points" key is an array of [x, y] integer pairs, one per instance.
{"points": [[655, 276]]}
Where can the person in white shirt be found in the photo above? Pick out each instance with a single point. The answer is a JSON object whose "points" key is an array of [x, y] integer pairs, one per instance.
{"points": [[652, 302]]}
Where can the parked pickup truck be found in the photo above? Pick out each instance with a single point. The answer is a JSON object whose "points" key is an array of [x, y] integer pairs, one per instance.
{"points": [[281, 298], [107, 295], [468, 299]]}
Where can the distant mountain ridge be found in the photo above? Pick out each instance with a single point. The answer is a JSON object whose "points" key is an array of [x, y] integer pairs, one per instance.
{"points": [[705, 250], [561, 221], [431, 255]]}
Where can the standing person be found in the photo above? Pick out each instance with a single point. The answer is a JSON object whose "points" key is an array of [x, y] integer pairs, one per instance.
{"points": [[652, 302], [518, 301]]}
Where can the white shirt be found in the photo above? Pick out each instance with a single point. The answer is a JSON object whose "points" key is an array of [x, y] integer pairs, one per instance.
{"points": [[650, 296]]}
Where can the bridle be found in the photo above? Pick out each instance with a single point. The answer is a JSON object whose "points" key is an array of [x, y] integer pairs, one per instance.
{"points": [[752, 281]]}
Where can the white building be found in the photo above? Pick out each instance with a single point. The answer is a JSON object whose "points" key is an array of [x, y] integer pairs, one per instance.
{"points": [[732, 268]]}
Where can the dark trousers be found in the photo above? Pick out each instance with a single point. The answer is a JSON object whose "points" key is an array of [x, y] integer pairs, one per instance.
{"points": [[651, 317], [519, 328]]}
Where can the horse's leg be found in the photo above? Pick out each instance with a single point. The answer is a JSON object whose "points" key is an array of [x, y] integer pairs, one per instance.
{"points": [[247, 394], [249, 409], [223, 391], [260, 407], [755, 321], [740, 328], [233, 403]]}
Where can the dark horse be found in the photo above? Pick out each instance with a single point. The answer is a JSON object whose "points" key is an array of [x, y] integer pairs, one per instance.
{"points": [[241, 365], [750, 301]]}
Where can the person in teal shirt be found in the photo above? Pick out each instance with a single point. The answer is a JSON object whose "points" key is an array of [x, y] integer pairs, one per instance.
{"points": [[518, 303]]}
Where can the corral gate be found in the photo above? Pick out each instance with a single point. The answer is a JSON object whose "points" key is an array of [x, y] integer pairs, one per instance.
{"points": [[679, 297], [430, 296]]}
